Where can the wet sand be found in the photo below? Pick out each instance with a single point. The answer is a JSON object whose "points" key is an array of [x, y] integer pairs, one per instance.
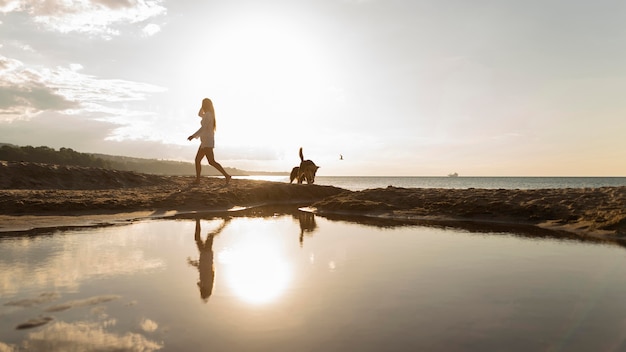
{"points": [[36, 196]]}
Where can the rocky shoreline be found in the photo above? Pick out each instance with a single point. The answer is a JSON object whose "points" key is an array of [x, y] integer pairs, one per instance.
{"points": [[41, 195]]}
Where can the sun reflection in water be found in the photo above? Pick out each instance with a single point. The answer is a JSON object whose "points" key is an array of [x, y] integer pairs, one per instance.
{"points": [[256, 269]]}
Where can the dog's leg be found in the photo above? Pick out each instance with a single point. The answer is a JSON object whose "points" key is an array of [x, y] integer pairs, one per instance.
{"points": [[294, 174]]}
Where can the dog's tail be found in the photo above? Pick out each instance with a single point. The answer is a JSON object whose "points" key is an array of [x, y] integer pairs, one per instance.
{"points": [[301, 156]]}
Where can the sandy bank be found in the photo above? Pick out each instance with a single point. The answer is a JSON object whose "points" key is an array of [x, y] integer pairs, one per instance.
{"points": [[35, 195], [597, 212], [41, 195]]}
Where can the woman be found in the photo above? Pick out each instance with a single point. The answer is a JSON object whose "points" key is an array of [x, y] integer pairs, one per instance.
{"points": [[207, 140]]}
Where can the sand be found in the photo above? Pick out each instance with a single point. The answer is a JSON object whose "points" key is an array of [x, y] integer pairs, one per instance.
{"points": [[599, 212], [34, 196]]}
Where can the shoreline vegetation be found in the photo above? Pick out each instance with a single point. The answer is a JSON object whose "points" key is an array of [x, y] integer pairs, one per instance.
{"points": [[36, 195], [68, 156]]}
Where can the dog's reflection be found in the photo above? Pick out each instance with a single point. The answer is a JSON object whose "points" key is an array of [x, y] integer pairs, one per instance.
{"points": [[307, 224], [204, 263]]}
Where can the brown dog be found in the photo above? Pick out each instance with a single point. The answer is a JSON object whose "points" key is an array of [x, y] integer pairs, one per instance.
{"points": [[305, 172], [294, 174]]}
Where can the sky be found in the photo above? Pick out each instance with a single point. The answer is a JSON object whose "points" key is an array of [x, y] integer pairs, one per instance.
{"points": [[396, 87]]}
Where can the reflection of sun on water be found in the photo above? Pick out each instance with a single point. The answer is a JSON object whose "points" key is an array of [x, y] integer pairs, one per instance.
{"points": [[255, 270]]}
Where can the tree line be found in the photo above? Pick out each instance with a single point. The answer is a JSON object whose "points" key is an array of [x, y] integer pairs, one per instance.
{"points": [[64, 156], [70, 157]]}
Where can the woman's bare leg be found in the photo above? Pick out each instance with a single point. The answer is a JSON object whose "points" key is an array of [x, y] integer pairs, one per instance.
{"points": [[198, 161], [211, 158]]}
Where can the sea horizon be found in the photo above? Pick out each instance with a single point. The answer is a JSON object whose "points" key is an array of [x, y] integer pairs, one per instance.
{"points": [[283, 173], [358, 183]]}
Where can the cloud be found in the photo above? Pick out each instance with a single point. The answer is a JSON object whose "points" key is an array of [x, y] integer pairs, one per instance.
{"points": [[25, 100], [96, 17], [22, 92], [10, 5], [151, 29], [29, 90]]}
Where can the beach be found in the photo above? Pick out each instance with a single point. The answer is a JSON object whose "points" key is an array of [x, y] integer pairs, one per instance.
{"points": [[35, 196]]}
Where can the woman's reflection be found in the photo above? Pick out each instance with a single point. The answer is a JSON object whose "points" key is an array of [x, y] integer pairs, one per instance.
{"points": [[205, 261]]}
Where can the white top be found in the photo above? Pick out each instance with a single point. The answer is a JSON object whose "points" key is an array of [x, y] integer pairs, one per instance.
{"points": [[206, 132]]}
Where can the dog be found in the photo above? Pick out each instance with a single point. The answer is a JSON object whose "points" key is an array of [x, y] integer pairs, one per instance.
{"points": [[294, 174], [305, 172]]}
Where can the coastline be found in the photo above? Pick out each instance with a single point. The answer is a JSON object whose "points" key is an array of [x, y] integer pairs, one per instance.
{"points": [[35, 196], [596, 212]]}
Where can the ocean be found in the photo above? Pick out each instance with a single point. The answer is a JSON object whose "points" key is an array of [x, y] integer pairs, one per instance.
{"points": [[358, 183]]}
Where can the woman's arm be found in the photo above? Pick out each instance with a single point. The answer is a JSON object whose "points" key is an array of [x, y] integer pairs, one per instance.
{"points": [[196, 134], [201, 112]]}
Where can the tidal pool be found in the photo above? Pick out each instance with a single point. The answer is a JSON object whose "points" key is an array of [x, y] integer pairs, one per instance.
{"points": [[292, 281]]}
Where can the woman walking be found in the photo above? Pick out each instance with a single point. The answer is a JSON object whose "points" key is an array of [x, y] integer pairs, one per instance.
{"points": [[207, 140]]}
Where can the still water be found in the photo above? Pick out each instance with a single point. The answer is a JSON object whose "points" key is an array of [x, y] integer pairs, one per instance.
{"points": [[292, 281]]}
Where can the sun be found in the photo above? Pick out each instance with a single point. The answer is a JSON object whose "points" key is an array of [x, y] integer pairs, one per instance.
{"points": [[263, 72], [269, 63]]}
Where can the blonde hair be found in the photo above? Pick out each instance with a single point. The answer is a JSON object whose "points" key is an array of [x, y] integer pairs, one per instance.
{"points": [[207, 105]]}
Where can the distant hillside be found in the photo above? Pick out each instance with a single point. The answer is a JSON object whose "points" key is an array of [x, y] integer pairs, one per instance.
{"points": [[67, 156], [63, 156]]}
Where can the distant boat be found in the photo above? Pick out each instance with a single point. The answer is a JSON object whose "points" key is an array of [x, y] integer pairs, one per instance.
{"points": [[453, 175]]}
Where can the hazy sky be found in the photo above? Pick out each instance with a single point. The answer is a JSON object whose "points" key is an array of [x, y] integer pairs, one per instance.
{"points": [[414, 87]]}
